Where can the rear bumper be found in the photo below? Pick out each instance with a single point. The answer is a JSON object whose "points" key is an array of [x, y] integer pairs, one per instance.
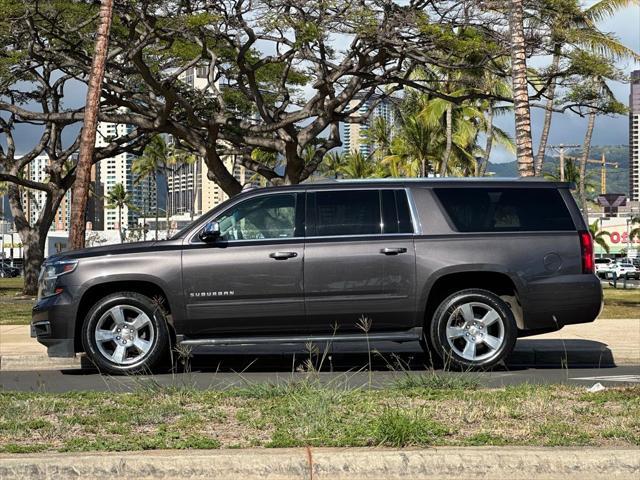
{"points": [[564, 300]]}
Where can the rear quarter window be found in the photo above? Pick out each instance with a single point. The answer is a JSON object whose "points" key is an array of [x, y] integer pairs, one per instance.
{"points": [[505, 209]]}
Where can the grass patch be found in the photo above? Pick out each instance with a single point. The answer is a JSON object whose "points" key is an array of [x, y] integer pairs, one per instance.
{"points": [[15, 312], [619, 303], [309, 414], [10, 286]]}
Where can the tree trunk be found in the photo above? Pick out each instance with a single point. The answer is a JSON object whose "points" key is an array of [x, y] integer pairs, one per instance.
{"points": [[33, 253], [120, 224], [548, 114], [489, 144], [522, 108], [88, 136], [586, 150], [217, 172], [447, 152], [33, 237], [155, 182]]}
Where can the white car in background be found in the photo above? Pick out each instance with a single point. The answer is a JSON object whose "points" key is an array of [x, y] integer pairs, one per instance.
{"points": [[603, 267], [624, 269]]}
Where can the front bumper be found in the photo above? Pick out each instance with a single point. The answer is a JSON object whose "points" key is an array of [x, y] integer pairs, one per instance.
{"points": [[53, 324]]}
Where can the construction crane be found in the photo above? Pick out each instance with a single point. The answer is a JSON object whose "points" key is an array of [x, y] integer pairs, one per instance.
{"points": [[603, 171], [602, 162]]}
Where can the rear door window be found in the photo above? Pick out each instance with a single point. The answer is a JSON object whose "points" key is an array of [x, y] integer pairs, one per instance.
{"points": [[347, 212], [505, 209]]}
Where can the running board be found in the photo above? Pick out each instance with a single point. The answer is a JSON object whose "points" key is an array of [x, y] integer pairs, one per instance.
{"points": [[399, 337]]}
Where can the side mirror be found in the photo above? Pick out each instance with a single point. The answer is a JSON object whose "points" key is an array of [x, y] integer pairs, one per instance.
{"points": [[210, 232]]}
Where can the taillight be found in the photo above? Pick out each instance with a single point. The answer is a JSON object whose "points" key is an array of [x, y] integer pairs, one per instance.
{"points": [[586, 248]]}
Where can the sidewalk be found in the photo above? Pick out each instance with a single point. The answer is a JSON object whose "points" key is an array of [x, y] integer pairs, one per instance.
{"points": [[602, 343], [497, 463]]}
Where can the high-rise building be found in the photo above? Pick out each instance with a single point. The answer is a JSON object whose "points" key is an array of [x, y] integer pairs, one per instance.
{"points": [[634, 137], [118, 170], [190, 191], [354, 135], [34, 200]]}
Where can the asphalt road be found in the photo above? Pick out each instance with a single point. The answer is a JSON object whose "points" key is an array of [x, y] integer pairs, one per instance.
{"points": [[343, 366]]}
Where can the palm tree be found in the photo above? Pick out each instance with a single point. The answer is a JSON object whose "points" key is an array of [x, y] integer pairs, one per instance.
{"points": [[152, 161], [411, 147], [332, 164], [358, 165], [578, 27], [635, 232], [119, 198], [379, 134], [88, 135], [599, 236], [572, 174], [522, 109]]}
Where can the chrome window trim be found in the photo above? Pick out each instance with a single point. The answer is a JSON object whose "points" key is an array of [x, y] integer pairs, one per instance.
{"points": [[417, 228]]}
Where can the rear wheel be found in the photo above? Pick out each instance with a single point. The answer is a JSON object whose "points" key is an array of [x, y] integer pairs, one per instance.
{"points": [[473, 329], [125, 333]]}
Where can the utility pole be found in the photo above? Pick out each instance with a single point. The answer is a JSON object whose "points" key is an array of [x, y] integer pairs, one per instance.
{"points": [[561, 150]]}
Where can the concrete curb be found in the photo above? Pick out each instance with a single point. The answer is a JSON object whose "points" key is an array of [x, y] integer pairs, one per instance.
{"points": [[38, 362], [536, 353], [335, 464]]}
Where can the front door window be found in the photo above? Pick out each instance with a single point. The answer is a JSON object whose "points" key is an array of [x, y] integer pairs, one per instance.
{"points": [[262, 218]]}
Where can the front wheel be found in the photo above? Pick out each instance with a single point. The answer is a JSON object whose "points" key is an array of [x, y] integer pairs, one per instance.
{"points": [[125, 333], [473, 329]]}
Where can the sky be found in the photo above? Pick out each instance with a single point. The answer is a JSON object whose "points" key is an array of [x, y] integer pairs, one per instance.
{"points": [[566, 128]]}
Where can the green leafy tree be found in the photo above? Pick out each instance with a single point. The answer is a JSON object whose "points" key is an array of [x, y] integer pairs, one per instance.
{"points": [[119, 198], [331, 166], [635, 230], [599, 236], [152, 162], [357, 165]]}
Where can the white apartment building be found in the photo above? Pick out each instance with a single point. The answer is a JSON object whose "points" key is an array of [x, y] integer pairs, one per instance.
{"points": [[34, 200], [191, 192], [634, 137], [189, 189], [117, 170], [354, 136]]}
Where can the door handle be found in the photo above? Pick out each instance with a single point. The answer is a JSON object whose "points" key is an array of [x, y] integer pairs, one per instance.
{"points": [[393, 251], [282, 255]]}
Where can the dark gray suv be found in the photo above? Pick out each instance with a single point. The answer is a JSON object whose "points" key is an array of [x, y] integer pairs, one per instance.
{"points": [[465, 266]]}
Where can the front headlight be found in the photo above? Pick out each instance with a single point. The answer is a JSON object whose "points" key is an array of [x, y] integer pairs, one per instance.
{"points": [[49, 275]]}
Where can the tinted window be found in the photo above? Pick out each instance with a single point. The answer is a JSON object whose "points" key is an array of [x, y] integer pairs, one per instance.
{"points": [[404, 215], [396, 217], [264, 217], [505, 209], [355, 212]]}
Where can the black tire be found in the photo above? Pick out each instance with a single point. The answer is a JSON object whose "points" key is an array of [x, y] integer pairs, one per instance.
{"points": [[479, 299], [155, 331]]}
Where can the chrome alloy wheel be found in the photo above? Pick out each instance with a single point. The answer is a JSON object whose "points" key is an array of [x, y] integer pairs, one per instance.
{"points": [[475, 331], [124, 334]]}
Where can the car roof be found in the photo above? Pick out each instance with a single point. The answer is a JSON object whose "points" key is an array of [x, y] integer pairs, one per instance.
{"points": [[316, 183]]}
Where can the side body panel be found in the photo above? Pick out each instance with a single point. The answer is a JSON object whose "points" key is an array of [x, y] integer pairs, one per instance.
{"points": [[545, 267], [347, 279], [161, 267], [240, 289]]}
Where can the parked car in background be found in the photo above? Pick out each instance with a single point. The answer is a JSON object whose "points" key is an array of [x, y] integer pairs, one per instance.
{"points": [[603, 267], [7, 271], [463, 266], [624, 269]]}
